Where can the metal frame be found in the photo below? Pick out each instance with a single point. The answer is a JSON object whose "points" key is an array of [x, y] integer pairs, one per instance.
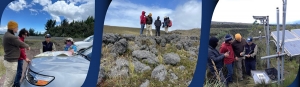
{"points": [[280, 57], [265, 21]]}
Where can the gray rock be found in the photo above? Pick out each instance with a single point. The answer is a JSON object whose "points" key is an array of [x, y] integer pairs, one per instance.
{"points": [[145, 84], [179, 45], [120, 47], [140, 67], [173, 76], [158, 40], [145, 56], [163, 42], [181, 67], [110, 38], [192, 53], [171, 58], [101, 75], [121, 68], [154, 51], [159, 72], [128, 37]]}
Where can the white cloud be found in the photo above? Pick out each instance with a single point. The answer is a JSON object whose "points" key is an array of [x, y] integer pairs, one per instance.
{"points": [[18, 5], [42, 2], [243, 10], [185, 16], [70, 11], [33, 11]]}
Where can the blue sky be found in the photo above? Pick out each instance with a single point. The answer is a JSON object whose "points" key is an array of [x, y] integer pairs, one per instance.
{"points": [[185, 14], [35, 13]]}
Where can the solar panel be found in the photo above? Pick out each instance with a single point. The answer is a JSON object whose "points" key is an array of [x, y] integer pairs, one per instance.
{"points": [[292, 47], [296, 32], [288, 35]]}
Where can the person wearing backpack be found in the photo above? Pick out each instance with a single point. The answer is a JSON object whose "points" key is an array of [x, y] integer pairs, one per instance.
{"points": [[157, 24], [149, 22], [167, 23]]}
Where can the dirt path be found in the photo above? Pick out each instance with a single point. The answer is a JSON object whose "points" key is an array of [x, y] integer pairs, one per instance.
{"points": [[30, 54]]}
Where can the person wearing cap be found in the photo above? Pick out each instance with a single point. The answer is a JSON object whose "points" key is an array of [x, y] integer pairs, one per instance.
{"points": [[23, 33], [250, 52], [12, 52], [149, 21], [157, 24], [238, 47], [142, 22], [228, 61], [69, 45], [47, 45], [216, 59]]}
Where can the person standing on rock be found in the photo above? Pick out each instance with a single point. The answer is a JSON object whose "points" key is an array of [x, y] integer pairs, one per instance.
{"points": [[215, 60], [47, 45], [142, 22], [250, 52], [22, 35], [11, 45], [70, 45], [149, 21], [238, 47], [226, 47], [157, 24], [165, 24]]}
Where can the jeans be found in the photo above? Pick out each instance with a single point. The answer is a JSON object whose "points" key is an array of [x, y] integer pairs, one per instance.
{"points": [[250, 65], [157, 33], [18, 74], [142, 29], [229, 72]]}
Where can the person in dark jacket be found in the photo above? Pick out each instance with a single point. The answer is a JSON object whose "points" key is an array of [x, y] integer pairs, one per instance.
{"points": [[226, 47], [157, 24], [238, 48], [165, 24], [22, 35], [47, 45], [250, 52], [149, 21], [142, 22], [215, 57], [11, 45]]}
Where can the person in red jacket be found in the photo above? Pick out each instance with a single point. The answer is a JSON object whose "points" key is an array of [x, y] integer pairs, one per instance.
{"points": [[142, 21], [228, 61], [22, 35]]}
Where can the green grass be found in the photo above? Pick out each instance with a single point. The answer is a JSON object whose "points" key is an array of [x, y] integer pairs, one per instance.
{"points": [[2, 68], [136, 79]]}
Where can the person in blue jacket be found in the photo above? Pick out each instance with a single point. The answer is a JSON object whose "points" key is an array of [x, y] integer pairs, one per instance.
{"points": [[69, 45]]}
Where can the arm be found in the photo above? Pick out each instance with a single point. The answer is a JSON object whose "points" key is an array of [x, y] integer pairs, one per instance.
{"points": [[19, 43], [41, 48], [255, 51], [215, 58], [53, 47]]}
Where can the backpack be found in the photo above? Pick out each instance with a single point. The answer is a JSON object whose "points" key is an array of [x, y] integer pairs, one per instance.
{"points": [[170, 23]]}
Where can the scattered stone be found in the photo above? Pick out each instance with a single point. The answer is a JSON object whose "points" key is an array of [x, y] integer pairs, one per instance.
{"points": [[140, 67], [181, 67], [159, 72], [120, 47], [173, 76], [163, 43], [145, 56], [171, 58], [145, 84], [110, 38], [128, 37]]}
